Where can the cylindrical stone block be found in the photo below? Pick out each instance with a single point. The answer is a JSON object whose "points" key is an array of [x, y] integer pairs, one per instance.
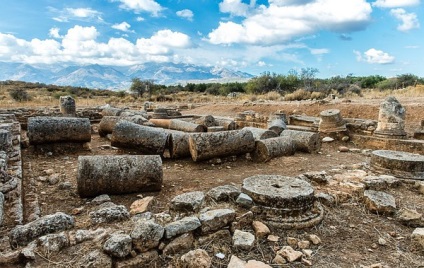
{"points": [[178, 143], [67, 105], [111, 111], [391, 119], [261, 134], [277, 125], [118, 174], [219, 144], [267, 149], [331, 121], [402, 164], [107, 124], [185, 126], [43, 130], [304, 141], [148, 140], [227, 123]]}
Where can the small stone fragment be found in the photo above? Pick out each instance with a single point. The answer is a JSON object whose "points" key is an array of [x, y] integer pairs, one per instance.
{"points": [[256, 264], [291, 241], [418, 237], [244, 200], [53, 242], [410, 217], [118, 245], [315, 239], [141, 205], [343, 149], [243, 240], [223, 193], [213, 220], [187, 201], [304, 244], [327, 139], [289, 253], [109, 214], [235, 262], [273, 238], [278, 259], [261, 230], [326, 199], [198, 258], [146, 235]]}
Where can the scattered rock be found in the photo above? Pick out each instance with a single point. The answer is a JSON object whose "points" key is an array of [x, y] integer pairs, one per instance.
{"points": [[307, 252], [66, 185], [378, 183], [343, 149], [304, 244], [181, 244], [410, 217], [162, 218], [213, 220], [292, 241], [146, 235], [273, 238], [118, 245], [110, 214], [223, 193], [261, 230], [141, 205], [95, 258], [317, 176], [138, 261], [53, 179], [198, 258], [182, 226], [235, 262], [379, 202], [345, 138], [187, 201], [278, 259], [314, 239], [28, 251], [243, 240], [326, 199], [327, 139], [244, 200], [289, 254], [418, 237], [53, 242], [101, 199], [256, 264], [21, 235]]}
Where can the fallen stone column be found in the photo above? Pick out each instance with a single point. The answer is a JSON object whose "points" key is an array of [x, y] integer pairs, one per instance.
{"points": [[21, 235], [227, 123], [43, 130], [107, 124], [158, 122], [148, 140], [267, 149], [118, 174], [185, 126], [178, 144], [277, 125], [261, 134], [304, 141], [218, 144], [207, 121]]}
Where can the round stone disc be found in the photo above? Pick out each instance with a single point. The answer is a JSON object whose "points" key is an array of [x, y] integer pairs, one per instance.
{"points": [[279, 191], [401, 164]]}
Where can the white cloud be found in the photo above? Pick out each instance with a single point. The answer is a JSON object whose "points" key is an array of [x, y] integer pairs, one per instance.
{"points": [[408, 20], [261, 63], [319, 51], [54, 32], [185, 13], [162, 41], [123, 26], [235, 7], [83, 14], [374, 56], [395, 3], [275, 24], [139, 18], [138, 6]]}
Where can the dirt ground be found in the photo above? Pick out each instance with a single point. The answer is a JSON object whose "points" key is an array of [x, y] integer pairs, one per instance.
{"points": [[349, 233]]}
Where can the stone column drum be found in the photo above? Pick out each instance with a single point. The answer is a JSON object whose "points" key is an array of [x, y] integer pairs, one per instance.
{"points": [[391, 119], [331, 121], [67, 105]]}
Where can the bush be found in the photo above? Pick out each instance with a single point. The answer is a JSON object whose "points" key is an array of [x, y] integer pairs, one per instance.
{"points": [[299, 94], [19, 94]]}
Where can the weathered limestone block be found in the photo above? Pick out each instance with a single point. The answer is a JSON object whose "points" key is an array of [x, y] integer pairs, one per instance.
{"points": [[185, 126], [118, 245], [178, 144], [243, 240], [23, 234], [182, 226], [223, 193], [107, 124], [43, 130], [216, 219], [148, 140], [188, 201], [205, 146], [379, 202], [391, 119], [304, 141], [146, 235], [267, 149], [109, 214], [261, 134], [67, 105], [118, 174]]}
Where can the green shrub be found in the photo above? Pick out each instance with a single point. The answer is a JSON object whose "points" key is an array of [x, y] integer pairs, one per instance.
{"points": [[19, 94]]}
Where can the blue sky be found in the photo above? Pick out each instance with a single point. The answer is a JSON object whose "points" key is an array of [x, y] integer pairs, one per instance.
{"points": [[338, 37]]}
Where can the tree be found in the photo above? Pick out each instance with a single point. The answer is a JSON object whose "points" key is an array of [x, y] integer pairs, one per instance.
{"points": [[139, 87], [308, 76]]}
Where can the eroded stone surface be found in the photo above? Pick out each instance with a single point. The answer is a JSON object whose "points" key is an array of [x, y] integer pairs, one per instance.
{"points": [[187, 201], [182, 226], [397, 163], [243, 240], [391, 119], [379, 202], [146, 235], [213, 220], [110, 214], [223, 193], [198, 258], [118, 245]]}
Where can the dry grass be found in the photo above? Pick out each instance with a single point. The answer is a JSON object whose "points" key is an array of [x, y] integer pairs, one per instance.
{"points": [[417, 91]]}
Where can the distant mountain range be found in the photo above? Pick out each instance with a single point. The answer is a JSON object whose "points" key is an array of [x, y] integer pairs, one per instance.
{"points": [[117, 77]]}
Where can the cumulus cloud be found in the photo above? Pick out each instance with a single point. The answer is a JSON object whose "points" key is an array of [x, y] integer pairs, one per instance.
{"points": [[185, 13], [139, 18], [408, 20], [278, 23], [374, 56], [319, 51], [80, 45], [235, 7], [395, 3], [54, 32], [123, 26], [83, 14], [138, 6]]}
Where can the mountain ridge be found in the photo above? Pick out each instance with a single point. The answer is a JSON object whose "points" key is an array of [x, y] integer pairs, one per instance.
{"points": [[117, 77]]}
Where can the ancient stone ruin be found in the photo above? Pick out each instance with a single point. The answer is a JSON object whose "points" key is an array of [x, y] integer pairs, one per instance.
{"points": [[116, 220]]}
